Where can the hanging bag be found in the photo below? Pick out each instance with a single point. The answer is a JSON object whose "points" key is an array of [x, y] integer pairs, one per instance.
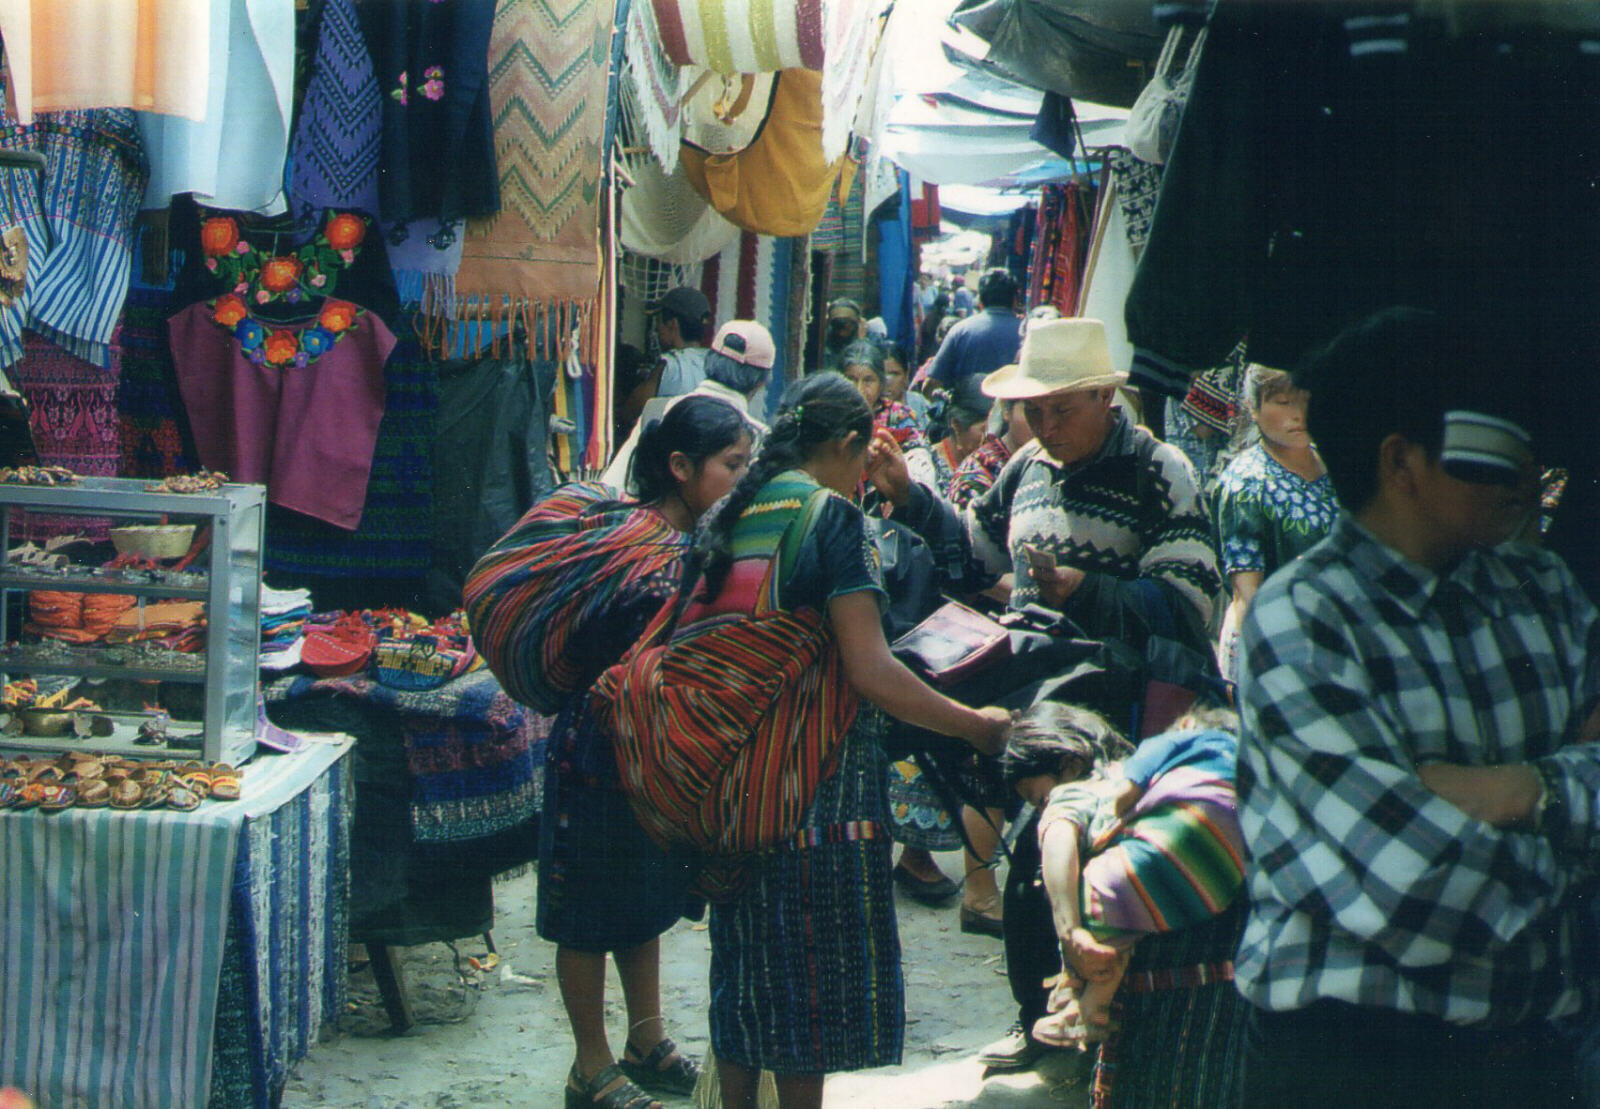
{"points": [[1152, 126]]}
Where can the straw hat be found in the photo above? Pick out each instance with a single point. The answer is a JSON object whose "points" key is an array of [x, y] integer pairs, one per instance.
{"points": [[1057, 356]]}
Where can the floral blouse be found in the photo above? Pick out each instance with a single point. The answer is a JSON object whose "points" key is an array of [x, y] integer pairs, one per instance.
{"points": [[1268, 515]]}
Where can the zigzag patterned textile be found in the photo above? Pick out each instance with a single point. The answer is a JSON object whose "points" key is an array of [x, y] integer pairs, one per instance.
{"points": [[334, 155], [547, 90]]}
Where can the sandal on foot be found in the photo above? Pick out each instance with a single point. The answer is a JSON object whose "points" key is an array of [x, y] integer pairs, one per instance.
{"points": [[653, 1072], [587, 1095]]}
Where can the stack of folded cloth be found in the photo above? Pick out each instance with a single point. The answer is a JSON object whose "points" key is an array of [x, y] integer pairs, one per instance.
{"points": [[176, 625], [283, 625], [75, 617]]}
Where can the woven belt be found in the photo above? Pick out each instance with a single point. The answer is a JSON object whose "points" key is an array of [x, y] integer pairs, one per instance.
{"points": [[1178, 978]]}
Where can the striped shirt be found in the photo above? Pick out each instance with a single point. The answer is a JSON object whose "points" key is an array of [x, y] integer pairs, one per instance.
{"points": [[1365, 887]]}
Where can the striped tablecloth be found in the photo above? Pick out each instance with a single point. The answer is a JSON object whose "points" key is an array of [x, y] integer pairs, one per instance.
{"points": [[114, 929]]}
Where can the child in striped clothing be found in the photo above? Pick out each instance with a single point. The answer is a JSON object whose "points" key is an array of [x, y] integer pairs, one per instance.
{"points": [[1133, 842]]}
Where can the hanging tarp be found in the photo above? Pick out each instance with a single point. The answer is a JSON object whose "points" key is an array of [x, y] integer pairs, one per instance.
{"points": [[1098, 50]]}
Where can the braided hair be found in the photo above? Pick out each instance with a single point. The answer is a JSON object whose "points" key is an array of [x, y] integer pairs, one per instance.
{"points": [[815, 410], [697, 427]]}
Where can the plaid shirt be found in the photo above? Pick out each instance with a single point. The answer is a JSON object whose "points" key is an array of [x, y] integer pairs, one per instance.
{"points": [[1365, 887]]}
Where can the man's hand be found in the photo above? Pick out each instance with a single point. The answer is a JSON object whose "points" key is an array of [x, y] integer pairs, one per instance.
{"points": [[1056, 583], [886, 468], [1504, 796]]}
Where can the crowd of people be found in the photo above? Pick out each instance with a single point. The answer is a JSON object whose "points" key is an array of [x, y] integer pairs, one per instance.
{"points": [[1315, 822]]}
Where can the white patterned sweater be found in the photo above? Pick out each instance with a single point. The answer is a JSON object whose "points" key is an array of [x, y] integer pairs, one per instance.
{"points": [[1132, 513]]}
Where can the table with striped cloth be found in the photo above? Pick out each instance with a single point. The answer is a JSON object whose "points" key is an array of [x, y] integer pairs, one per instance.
{"points": [[119, 931]]}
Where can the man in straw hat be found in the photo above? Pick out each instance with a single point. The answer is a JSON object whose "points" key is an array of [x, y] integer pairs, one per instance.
{"points": [[1095, 518]]}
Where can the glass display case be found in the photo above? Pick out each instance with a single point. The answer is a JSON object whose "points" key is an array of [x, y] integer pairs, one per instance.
{"points": [[150, 652]]}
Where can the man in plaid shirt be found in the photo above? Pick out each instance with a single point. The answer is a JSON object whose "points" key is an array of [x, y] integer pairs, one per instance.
{"points": [[1417, 786]]}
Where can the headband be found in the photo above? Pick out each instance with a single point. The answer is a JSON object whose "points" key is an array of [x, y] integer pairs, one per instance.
{"points": [[1483, 449]]}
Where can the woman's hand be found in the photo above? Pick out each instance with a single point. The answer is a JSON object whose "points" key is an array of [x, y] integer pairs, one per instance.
{"points": [[886, 468], [1088, 957], [992, 730]]}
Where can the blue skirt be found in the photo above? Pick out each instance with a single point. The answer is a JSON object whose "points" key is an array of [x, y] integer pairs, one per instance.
{"points": [[805, 964], [604, 885]]}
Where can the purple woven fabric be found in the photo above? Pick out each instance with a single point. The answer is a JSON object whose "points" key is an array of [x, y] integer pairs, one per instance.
{"points": [[334, 153]]}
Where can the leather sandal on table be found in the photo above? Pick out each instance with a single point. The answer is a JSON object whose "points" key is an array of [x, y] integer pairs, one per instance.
{"points": [[583, 1095], [653, 1072]]}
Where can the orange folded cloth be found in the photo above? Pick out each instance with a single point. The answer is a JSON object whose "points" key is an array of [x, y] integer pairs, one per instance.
{"points": [[75, 617]]}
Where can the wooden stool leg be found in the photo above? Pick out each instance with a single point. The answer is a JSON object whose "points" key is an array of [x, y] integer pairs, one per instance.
{"points": [[391, 986]]}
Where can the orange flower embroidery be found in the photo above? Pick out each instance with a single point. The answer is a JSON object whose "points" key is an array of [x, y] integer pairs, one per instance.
{"points": [[337, 316], [345, 231], [218, 236], [280, 274], [281, 347], [229, 310]]}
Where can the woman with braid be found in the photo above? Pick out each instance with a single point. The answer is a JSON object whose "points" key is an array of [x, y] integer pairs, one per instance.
{"points": [[805, 954]]}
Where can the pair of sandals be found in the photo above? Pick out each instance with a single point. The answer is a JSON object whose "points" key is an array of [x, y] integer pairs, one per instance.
{"points": [[652, 1072]]}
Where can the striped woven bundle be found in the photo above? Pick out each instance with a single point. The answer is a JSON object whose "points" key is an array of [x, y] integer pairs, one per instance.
{"points": [[541, 600], [723, 733]]}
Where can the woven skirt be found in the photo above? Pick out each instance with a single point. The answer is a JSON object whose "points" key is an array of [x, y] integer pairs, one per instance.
{"points": [[604, 885], [805, 964]]}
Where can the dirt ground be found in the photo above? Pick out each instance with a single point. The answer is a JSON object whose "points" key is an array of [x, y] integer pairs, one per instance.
{"points": [[499, 1040]]}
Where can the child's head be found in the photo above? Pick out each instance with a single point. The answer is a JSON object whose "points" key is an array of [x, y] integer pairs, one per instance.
{"points": [[1053, 743]]}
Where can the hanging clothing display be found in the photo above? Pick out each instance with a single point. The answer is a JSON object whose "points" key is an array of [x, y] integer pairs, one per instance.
{"points": [[548, 96], [779, 184], [149, 409], [149, 55], [73, 413], [430, 58], [1059, 248], [79, 223], [334, 155], [249, 91], [753, 279], [292, 406], [1419, 175]]}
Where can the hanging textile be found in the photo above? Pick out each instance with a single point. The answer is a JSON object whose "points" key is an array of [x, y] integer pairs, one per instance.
{"points": [[1056, 271], [73, 411], [431, 61], [849, 273], [1138, 186], [752, 280], [334, 155], [148, 405], [150, 55], [779, 184], [79, 225], [385, 559], [834, 37], [538, 258], [232, 155]]}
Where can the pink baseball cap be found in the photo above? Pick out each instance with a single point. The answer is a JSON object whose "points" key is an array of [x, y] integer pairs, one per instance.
{"points": [[746, 342]]}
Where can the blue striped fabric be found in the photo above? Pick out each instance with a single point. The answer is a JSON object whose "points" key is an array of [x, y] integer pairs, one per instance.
{"points": [[93, 183], [111, 941]]}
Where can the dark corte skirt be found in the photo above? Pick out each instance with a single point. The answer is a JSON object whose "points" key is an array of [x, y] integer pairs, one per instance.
{"points": [[604, 885], [805, 965]]}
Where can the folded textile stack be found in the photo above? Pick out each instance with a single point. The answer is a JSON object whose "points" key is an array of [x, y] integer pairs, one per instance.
{"points": [[176, 625], [75, 617], [283, 625]]}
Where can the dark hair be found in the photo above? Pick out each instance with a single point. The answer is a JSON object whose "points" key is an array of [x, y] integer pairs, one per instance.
{"points": [[738, 376], [864, 352], [896, 352], [1050, 735], [1380, 376], [815, 410], [691, 329], [696, 427], [631, 368], [997, 289]]}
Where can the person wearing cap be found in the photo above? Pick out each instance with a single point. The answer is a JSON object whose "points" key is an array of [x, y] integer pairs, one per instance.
{"points": [[1419, 788], [736, 369], [845, 326], [982, 343], [683, 316]]}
